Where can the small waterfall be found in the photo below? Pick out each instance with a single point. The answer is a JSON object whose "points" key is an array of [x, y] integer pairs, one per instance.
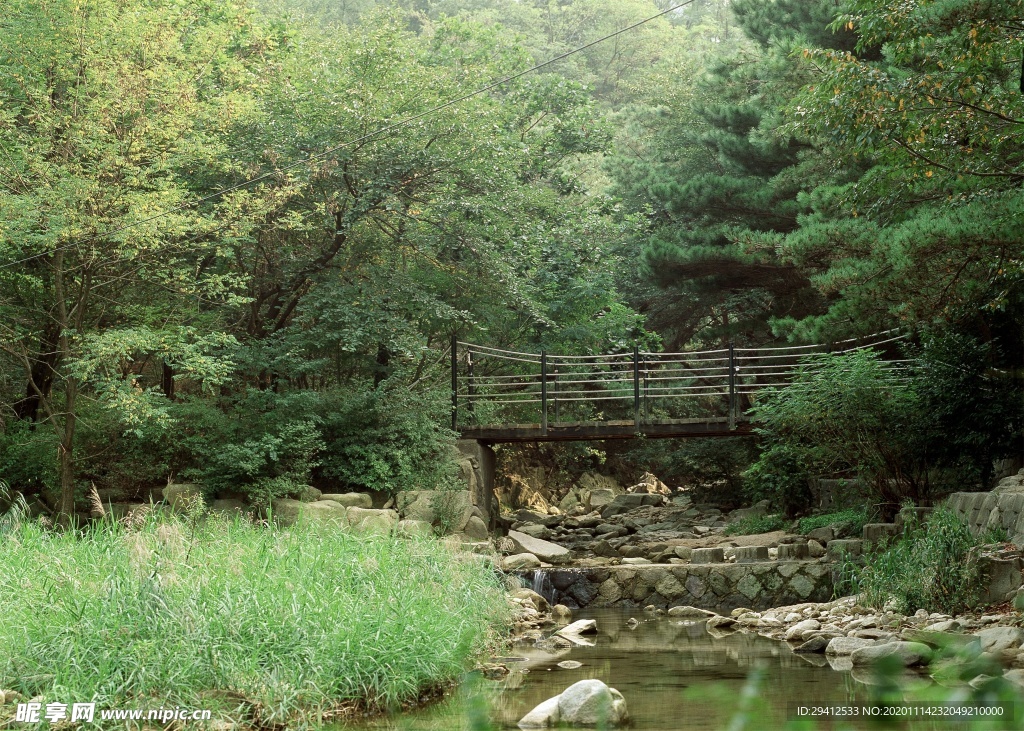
{"points": [[543, 586]]}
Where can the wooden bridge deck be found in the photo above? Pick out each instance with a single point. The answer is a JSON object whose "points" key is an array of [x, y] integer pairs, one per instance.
{"points": [[587, 430]]}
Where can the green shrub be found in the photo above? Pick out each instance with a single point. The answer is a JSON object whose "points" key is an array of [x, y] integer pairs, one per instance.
{"points": [[388, 440], [756, 524], [236, 618], [934, 566], [780, 476], [854, 518], [844, 413]]}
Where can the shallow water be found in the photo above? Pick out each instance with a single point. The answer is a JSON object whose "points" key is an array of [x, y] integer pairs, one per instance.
{"points": [[673, 674]]}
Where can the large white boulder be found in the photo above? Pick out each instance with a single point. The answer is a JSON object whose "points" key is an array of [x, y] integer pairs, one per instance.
{"points": [[908, 653], [544, 550], [349, 499], [586, 703], [591, 702]]}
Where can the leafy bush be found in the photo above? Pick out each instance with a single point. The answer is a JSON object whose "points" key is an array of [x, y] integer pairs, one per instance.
{"points": [[935, 567], [844, 413], [259, 442], [756, 524], [854, 518], [780, 476], [974, 403], [26, 457], [235, 618], [388, 440]]}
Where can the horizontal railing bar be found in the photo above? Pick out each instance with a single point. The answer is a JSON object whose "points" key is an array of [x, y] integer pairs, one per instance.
{"points": [[772, 350], [625, 357], [475, 347], [628, 397], [689, 352]]}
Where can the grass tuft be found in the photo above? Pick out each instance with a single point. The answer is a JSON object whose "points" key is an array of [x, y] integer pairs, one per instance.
{"points": [[273, 627], [935, 566]]}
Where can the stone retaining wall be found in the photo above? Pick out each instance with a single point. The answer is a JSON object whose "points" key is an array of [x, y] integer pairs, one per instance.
{"points": [[984, 510], [718, 587]]}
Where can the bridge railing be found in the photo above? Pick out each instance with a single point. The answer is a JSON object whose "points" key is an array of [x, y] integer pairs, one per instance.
{"points": [[720, 382]]}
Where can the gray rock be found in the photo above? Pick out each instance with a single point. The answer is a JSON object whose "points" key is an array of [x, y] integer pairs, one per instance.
{"points": [[288, 512], [839, 548], [591, 702], [309, 494], [908, 653], [707, 555], [792, 551], [688, 612], [816, 644], [570, 664], [720, 623], [635, 561], [178, 496], [363, 520], [948, 625], [476, 529], [534, 530], [750, 554], [349, 499], [561, 613], [544, 550], [604, 549], [519, 561], [414, 528], [997, 639], [542, 716], [846, 645], [1015, 676], [815, 549], [539, 602], [796, 632], [579, 627], [876, 533], [229, 507], [683, 552], [600, 497], [821, 535]]}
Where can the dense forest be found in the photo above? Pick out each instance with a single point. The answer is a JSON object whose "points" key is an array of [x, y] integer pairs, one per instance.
{"points": [[236, 239]]}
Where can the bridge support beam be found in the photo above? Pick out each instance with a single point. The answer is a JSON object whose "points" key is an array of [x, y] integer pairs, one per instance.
{"points": [[477, 465]]}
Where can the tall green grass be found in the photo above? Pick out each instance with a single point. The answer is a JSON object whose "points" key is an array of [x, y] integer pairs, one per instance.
{"points": [[263, 626], [934, 566]]}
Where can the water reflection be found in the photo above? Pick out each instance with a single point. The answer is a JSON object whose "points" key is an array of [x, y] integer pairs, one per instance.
{"points": [[674, 676]]}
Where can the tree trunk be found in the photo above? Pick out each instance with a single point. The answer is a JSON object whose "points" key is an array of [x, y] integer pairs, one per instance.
{"points": [[66, 507]]}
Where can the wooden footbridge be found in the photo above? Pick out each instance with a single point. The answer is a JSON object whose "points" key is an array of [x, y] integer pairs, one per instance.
{"points": [[508, 396]]}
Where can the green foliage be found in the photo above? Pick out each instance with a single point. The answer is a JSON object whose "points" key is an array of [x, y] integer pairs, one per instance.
{"points": [[781, 475], [235, 618], [974, 404], [26, 458], [260, 443], [934, 566], [844, 413], [853, 518], [447, 508], [389, 440], [756, 524]]}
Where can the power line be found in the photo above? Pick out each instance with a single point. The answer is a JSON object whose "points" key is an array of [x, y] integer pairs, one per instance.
{"points": [[369, 135]]}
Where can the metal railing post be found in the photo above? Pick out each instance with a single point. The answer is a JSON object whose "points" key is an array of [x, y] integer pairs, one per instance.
{"points": [[554, 383], [636, 386], [543, 393], [455, 383], [732, 386], [470, 390]]}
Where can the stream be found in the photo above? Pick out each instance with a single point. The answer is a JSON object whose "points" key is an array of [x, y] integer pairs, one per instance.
{"points": [[674, 676]]}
